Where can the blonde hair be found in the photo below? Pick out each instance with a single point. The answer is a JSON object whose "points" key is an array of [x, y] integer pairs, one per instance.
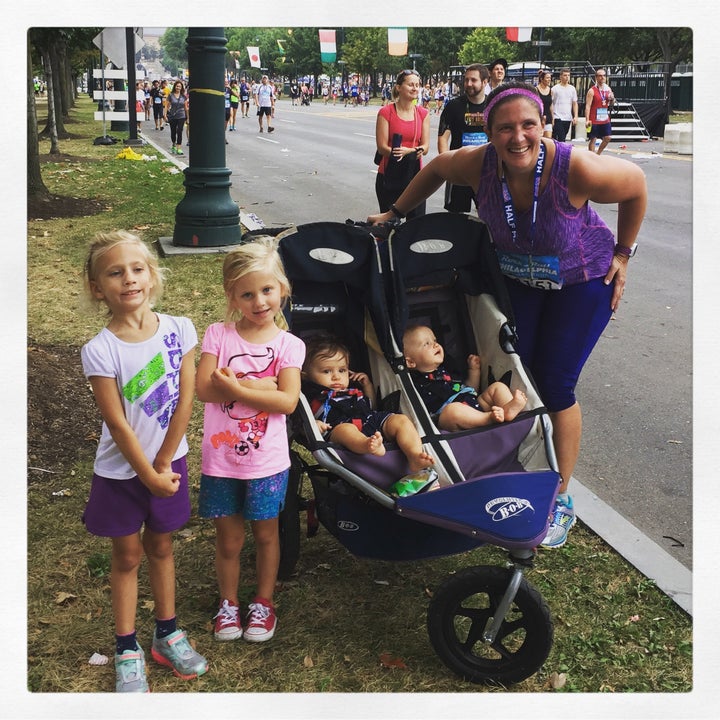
{"points": [[101, 243], [259, 255]]}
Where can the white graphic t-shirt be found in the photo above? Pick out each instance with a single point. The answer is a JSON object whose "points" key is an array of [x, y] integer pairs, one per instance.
{"points": [[148, 378]]}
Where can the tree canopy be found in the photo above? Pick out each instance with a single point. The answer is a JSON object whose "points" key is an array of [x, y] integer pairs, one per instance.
{"points": [[296, 51]]}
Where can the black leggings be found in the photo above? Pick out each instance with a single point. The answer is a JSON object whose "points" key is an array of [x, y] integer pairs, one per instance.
{"points": [[176, 129], [386, 198]]}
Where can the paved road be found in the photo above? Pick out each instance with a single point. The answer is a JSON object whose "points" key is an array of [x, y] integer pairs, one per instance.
{"points": [[636, 390]]}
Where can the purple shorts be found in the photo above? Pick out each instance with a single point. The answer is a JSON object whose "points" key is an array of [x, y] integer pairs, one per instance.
{"points": [[256, 499], [117, 508]]}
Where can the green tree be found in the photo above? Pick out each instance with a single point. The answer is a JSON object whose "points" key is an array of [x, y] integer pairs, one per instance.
{"points": [[365, 50], [485, 44], [439, 47], [174, 49]]}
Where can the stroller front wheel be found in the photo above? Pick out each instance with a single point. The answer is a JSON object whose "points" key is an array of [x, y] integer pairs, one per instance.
{"points": [[460, 613]]}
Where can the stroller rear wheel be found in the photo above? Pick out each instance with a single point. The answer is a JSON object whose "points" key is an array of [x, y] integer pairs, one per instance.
{"points": [[289, 522], [460, 612]]}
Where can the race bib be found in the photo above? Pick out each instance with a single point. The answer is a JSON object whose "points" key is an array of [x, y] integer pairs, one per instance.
{"points": [[474, 138], [538, 271], [602, 114]]}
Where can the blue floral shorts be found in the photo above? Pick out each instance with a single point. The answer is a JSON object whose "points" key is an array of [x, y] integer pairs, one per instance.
{"points": [[256, 499]]}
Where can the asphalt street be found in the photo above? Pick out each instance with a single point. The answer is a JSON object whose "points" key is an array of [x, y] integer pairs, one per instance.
{"points": [[636, 389]]}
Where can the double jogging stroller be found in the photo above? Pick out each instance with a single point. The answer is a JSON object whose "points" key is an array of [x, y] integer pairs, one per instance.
{"points": [[497, 483]]}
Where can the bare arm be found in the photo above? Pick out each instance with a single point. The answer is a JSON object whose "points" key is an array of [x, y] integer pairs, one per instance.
{"points": [[606, 179], [460, 167], [425, 135], [366, 384], [588, 105], [220, 385], [382, 131], [443, 144], [181, 416], [107, 396]]}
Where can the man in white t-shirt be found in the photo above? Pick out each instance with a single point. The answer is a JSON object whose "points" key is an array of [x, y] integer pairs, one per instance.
{"points": [[564, 106], [265, 100]]}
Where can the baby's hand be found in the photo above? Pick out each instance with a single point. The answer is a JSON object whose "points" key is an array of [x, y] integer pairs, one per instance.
{"points": [[360, 378], [323, 427], [473, 362]]}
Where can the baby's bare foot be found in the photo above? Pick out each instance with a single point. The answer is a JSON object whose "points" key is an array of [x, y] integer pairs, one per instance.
{"points": [[515, 405], [420, 461], [497, 413], [375, 445]]}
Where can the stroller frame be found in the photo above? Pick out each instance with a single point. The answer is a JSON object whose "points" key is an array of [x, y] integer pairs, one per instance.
{"points": [[366, 289]]}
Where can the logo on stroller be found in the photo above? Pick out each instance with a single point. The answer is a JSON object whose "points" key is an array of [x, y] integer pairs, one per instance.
{"points": [[506, 507]]}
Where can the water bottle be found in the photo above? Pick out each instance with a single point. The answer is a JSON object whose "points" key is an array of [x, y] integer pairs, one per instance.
{"points": [[397, 142]]}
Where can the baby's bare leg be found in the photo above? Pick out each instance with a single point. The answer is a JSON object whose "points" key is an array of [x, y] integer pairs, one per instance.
{"points": [[351, 438], [458, 416], [400, 429], [499, 394]]}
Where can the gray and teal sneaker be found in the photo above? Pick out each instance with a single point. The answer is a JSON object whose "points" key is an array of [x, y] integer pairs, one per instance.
{"points": [[130, 672], [176, 652], [563, 520]]}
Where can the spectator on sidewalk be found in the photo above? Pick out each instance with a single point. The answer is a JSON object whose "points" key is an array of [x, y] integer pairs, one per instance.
{"points": [[564, 106]]}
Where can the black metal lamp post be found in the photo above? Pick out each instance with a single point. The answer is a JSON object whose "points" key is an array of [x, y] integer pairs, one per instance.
{"points": [[207, 216]]}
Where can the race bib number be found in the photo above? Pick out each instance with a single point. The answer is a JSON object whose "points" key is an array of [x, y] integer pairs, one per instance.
{"points": [[602, 114], [474, 138], [538, 271]]}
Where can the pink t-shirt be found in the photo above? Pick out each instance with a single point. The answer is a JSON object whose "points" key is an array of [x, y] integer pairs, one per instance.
{"points": [[240, 441], [411, 130]]}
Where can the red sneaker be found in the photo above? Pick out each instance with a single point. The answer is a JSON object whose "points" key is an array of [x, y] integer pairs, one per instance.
{"points": [[260, 622], [227, 622]]}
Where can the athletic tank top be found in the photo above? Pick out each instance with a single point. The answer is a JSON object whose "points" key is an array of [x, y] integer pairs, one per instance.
{"points": [[581, 241]]}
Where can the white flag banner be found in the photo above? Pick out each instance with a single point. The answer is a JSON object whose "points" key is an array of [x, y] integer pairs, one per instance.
{"points": [[397, 41], [254, 55], [518, 34]]}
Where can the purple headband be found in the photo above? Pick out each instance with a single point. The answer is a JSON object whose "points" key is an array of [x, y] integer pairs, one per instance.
{"points": [[513, 91]]}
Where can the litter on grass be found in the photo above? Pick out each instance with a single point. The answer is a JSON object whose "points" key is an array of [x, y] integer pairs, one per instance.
{"points": [[98, 659]]}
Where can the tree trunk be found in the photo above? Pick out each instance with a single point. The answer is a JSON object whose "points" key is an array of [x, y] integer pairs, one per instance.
{"points": [[52, 107], [35, 186], [52, 62]]}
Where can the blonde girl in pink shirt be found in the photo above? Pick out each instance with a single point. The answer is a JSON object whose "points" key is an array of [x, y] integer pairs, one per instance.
{"points": [[249, 379]]}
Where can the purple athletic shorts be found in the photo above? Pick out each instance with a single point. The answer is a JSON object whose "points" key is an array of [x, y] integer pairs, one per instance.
{"points": [[117, 508]]}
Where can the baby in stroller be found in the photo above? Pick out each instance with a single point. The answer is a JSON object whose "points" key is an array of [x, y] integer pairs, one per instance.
{"points": [[456, 405], [345, 414]]}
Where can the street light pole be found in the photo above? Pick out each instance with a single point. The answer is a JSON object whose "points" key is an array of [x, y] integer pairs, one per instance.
{"points": [[207, 216]]}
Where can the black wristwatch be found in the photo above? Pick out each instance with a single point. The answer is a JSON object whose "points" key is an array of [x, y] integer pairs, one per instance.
{"points": [[396, 212]]}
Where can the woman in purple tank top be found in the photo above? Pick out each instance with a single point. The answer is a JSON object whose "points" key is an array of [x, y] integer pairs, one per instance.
{"points": [[564, 269]]}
